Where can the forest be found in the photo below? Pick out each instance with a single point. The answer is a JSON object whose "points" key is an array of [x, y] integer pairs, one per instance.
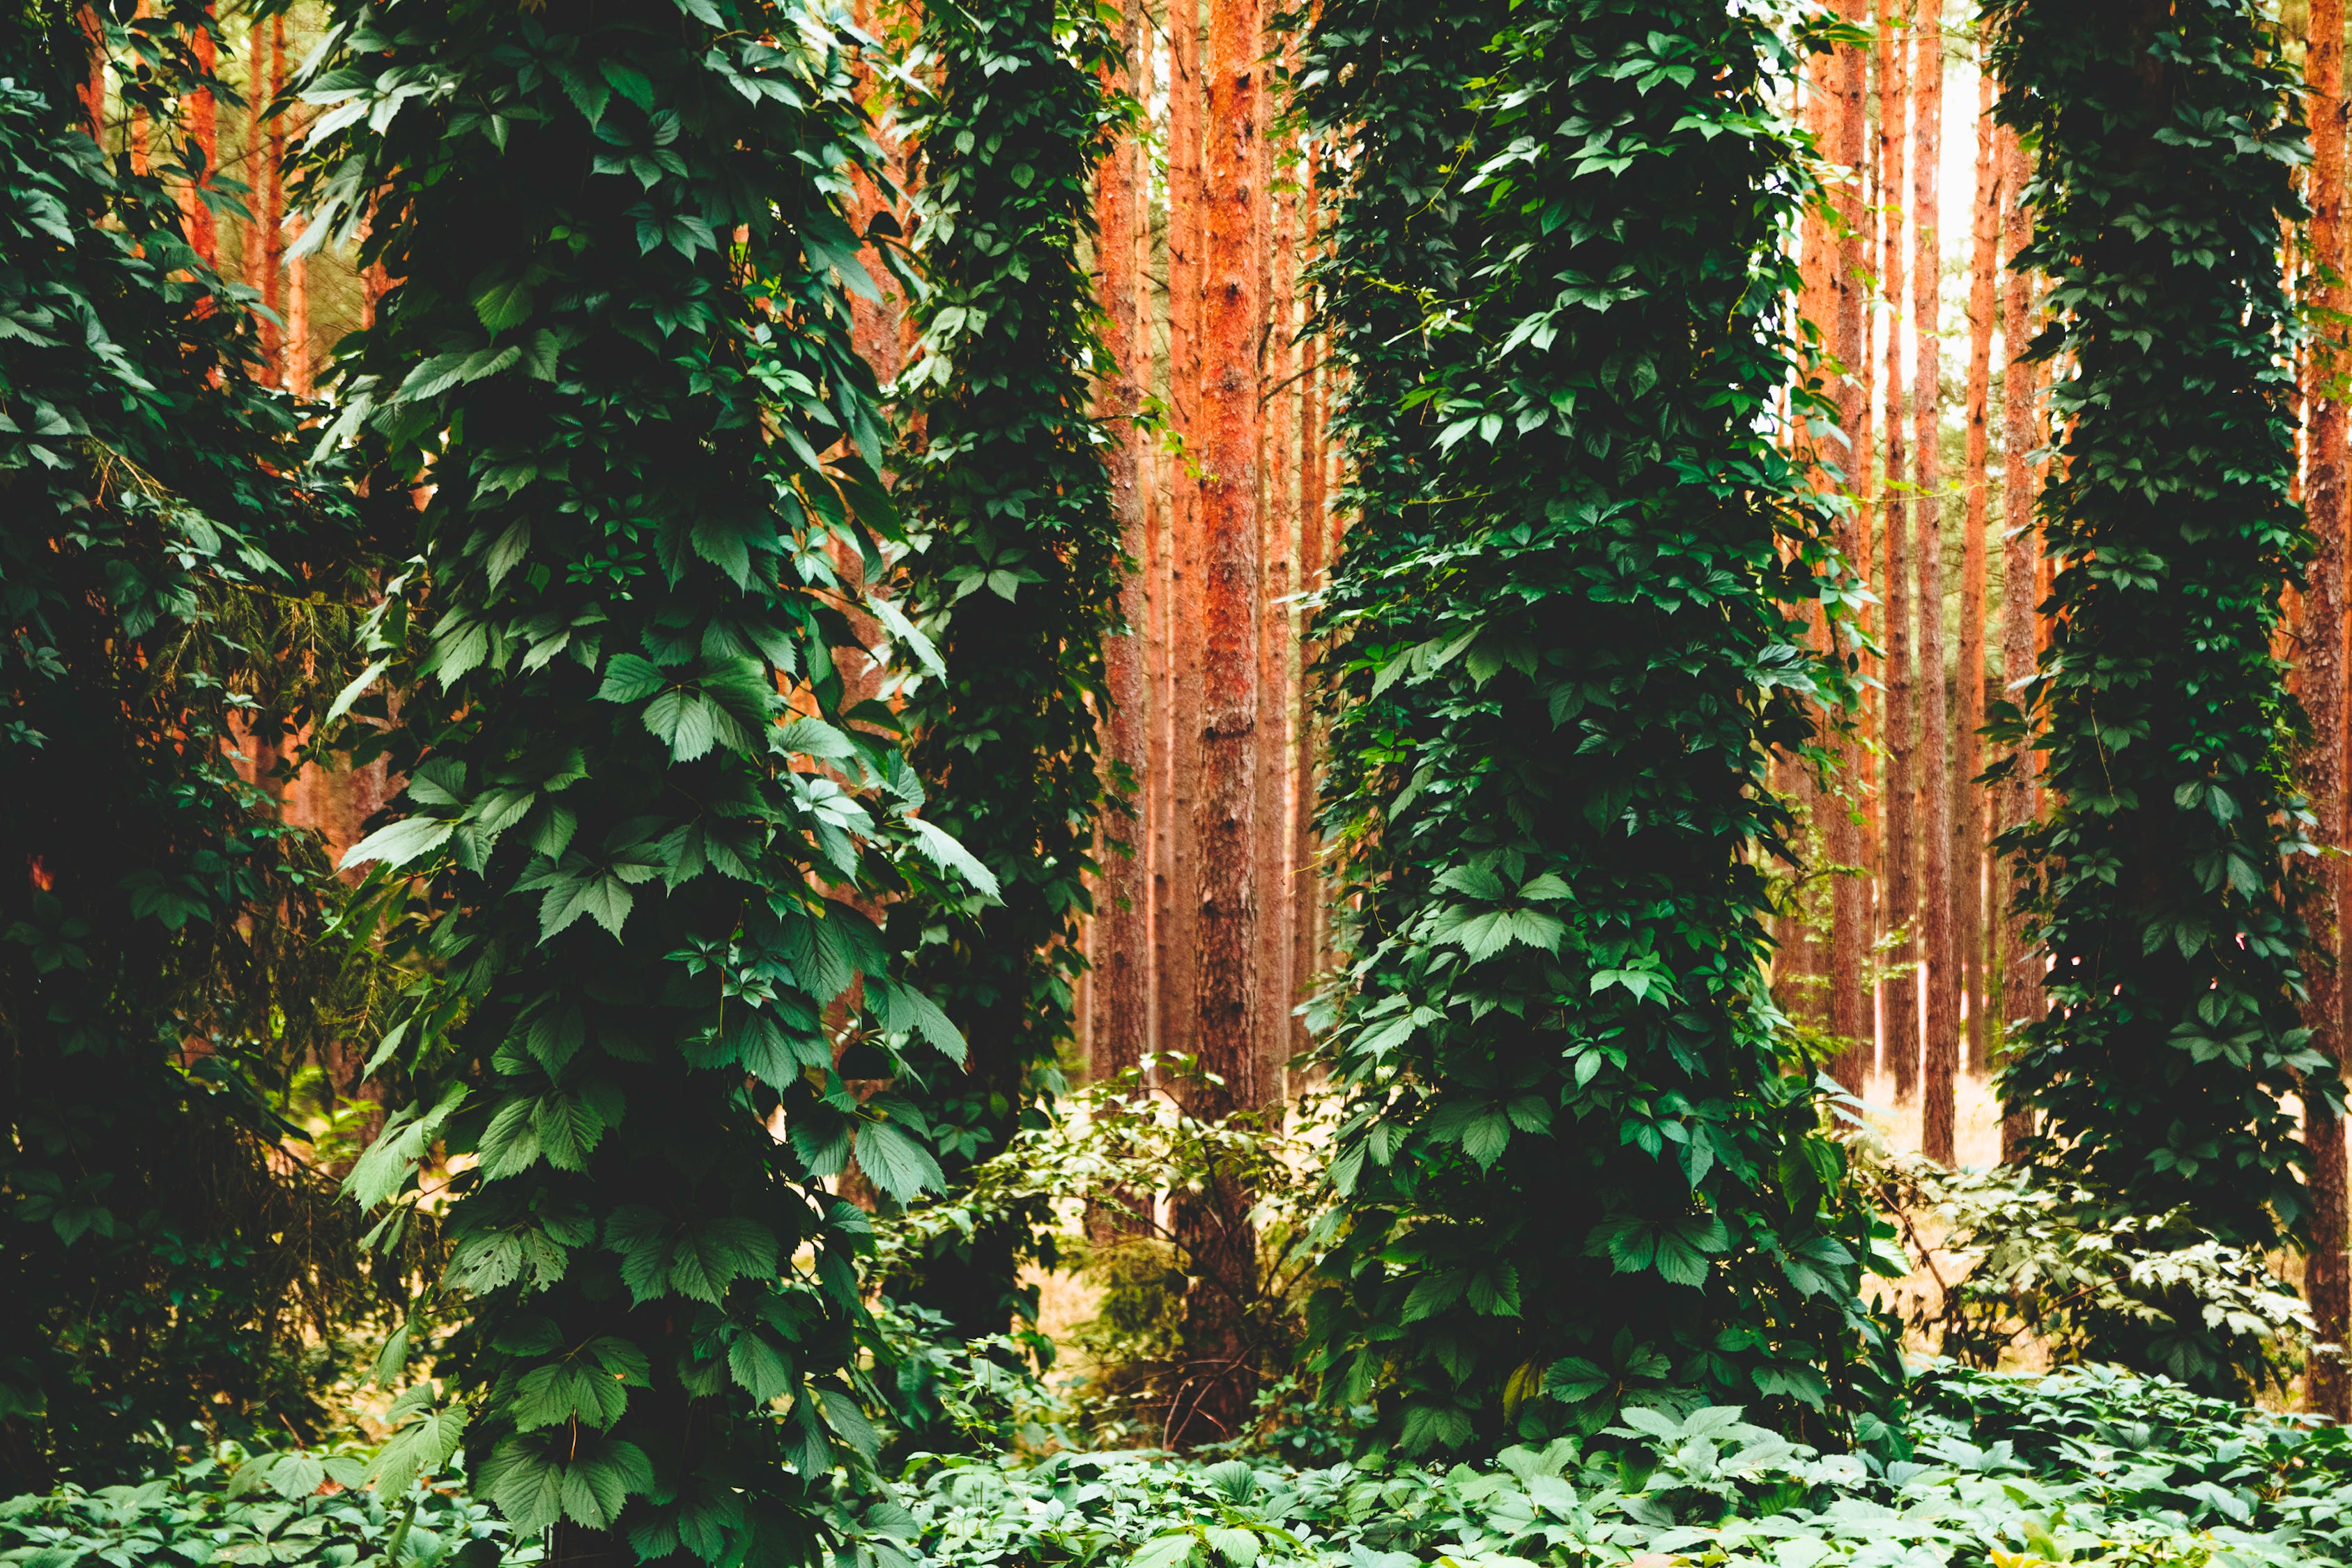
{"points": [[868, 784]]}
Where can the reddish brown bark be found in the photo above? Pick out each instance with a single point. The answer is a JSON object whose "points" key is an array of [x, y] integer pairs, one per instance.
{"points": [[1849, 1003], [2020, 614], [1900, 1008], [1937, 947], [1967, 746], [2320, 683], [204, 130], [1175, 781], [265, 146], [1120, 1021], [92, 91], [297, 377], [1228, 728]]}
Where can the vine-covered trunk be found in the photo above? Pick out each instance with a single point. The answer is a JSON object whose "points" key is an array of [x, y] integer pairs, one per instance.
{"points": [[1016, 579], [643, 815], [1549, 755], [2167, 145]]}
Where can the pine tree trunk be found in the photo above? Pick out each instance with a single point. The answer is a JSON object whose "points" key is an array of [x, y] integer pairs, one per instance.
{"points": [[1798, 961], [204, 130], [1119, 1029], [2020, 598], [1277, 523], [1849, 1018], [2320, 682], [1968, 854], [1934, 770], [1175, 777], [1899, 846], [1235, 733], [1314, 533]]}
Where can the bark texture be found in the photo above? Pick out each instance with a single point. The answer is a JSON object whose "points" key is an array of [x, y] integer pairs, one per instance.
{"points": [[1226, 728], [1967, 744], [1899, 877], [2320, 682], [1849, 1003], [1941, 970]]}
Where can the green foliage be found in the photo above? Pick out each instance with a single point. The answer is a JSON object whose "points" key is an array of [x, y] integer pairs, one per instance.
{"points": [[2165, 142], [290, 1508], [165, 589], [641, 807], [2085, 1468], [2035, 1257], [1103, 1164], [1568, 635], [1015, 569]]}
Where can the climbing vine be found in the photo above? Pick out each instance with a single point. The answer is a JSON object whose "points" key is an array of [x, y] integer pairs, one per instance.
{"points": [[642, 809], [1016, 565], [2156, 879], [1584, 1166]]}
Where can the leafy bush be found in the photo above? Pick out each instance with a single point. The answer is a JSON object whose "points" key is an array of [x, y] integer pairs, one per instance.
{"points": [[294, 1509], [1101, 1161], [2084, 1466], [2053, 1260]]}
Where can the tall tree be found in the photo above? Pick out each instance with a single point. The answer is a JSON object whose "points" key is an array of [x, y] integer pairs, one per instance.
{"points": [[2021, 553], [2167, 143], [1549, 756], [1936, 947], [1119, 1033], [1968, 744], [642, 817], [1015, 576], [1226, 725], [2320, 685], [1850, 915], [1899, 877]]}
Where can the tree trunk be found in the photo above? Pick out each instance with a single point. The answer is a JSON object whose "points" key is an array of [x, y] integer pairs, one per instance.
{"points": [[1174, 781], [1898, 847], [204, 130], [1229, 727], [1306, 877], [1277, 522], [2321, 685], [1968, 855], [2020, 599], [1119, 1029], [1934, 768], [1849, 1002]]}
